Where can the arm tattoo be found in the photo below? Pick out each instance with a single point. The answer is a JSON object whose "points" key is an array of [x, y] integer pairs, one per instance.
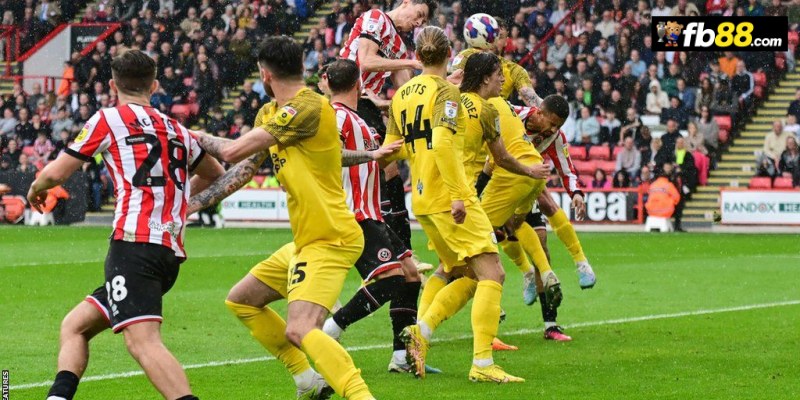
{"points": [[233, 179], [529, 97], [355, 157], [213, 145]]}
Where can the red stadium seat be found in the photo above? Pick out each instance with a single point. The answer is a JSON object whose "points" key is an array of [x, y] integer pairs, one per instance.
{"points": [[760, 182], [577, 153], [617, 150], [607, 166], [760, 79], [782, 183], [599, 152], [584, 167], [724, 122], [586, 179], [724, 136]]}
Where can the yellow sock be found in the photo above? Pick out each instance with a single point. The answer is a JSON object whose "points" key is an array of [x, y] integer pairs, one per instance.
{"points": [[335, 365], [530, 242], [449, 301], [269, 329], [485, 317], [434, 285], [514, 251], [566, 233]]}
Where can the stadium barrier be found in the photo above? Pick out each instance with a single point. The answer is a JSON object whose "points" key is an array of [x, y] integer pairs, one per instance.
{"points": [[760, 207], [613, 206]]}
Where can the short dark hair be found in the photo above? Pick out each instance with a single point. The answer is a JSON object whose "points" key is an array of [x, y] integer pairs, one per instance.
{"points": [[133, 72], [556, 105], [343, 75], [432, 6], [478, 67], [282, 56]]}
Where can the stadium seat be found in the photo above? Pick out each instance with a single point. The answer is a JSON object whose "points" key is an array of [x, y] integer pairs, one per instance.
{"points": [[585, 167], [617, 150], [758, 92], [724, 122], [760, 79], [760, 182], [782, 183], [724, 135], [586, 179], [608, 166], [599, 152], [577, 153]]}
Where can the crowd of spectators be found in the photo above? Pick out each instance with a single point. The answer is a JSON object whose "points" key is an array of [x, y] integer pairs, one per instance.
{"points": [[779, 157], [203, 49], [34, 19]]}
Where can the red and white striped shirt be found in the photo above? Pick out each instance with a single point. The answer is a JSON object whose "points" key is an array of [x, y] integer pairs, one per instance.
{"points": [[361, 182], [376, 26], [555, 148], [148, 156]]}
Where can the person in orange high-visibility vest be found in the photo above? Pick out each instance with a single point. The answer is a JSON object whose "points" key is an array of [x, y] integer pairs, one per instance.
{"points": [[663, 196]]}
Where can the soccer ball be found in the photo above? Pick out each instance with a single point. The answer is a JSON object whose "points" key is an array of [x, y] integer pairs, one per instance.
{"points": [[480, 30]]}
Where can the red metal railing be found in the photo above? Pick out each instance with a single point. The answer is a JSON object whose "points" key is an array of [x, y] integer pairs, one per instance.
{"points": [[9, 36], [48, 82], [542, 44], [112, 27]]}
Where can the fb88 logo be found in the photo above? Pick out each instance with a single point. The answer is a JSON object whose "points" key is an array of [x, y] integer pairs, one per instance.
{"points": [[726, 35]]}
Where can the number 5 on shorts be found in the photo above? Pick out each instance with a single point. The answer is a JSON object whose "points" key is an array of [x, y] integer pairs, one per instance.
{"points": [[298, 275]]}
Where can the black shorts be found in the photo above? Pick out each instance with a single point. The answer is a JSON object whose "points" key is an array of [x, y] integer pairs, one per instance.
{"points": [[536, 220], [137, 276], [383, 250], [372, 115]]}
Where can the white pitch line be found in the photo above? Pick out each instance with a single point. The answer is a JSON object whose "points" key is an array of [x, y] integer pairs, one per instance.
{"points": [[443, 340]]}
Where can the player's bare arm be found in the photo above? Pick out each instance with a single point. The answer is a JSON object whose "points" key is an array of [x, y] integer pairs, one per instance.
{"points": [[370, 61], [206, 172], [54, 174], [529, 97], [511, 164], [356, 157], [234, 151], [228, 183]]}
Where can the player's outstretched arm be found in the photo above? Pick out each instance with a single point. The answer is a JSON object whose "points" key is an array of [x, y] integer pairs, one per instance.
{"points": [[206, 172], [234, 151], [356, 157], [370, 61], [228, 183], [506, 161], [529, 97], [54, 174]]}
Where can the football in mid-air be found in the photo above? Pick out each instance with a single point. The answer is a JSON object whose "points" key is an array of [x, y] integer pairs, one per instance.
{"points": [[480, 30]]}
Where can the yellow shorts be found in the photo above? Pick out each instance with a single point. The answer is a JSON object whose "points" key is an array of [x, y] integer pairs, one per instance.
{"points": [[507, 194], [314, 273], [454, 243]]}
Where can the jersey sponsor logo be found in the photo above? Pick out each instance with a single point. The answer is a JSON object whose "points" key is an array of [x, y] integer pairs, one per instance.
{"points": [[384, 254], [285, 115], [457, 60], [82, 135], [170, 227], [450, 109], [372, 24], [565, 150]]}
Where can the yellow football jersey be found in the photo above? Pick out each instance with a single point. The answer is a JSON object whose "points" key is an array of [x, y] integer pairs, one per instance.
{"points": [[516, 76], [418, 108], [483, 126], [308, 162], [512, 130]]}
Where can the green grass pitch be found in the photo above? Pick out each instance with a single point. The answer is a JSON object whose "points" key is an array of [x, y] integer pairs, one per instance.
{"points": [[673, 316]]}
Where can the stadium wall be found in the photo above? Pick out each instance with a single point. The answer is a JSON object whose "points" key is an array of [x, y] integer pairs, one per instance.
{"points": [[48, 57]]}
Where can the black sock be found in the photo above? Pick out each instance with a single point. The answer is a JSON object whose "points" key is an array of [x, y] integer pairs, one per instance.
{"points": [[367, 300], [65, 386], [548, 314], [188, 397], [399, 220], [403, 310]]}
